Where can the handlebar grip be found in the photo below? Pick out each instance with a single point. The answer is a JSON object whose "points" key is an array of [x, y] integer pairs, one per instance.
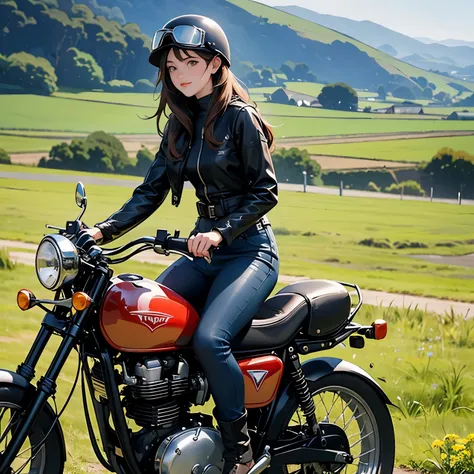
{"points": [[177, 243]]}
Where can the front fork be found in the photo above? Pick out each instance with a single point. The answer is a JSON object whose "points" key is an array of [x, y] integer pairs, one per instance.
{"points": [[46, 386]]}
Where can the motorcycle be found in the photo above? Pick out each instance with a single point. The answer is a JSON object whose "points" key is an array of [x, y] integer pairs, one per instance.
{"points": [[145, 385]]}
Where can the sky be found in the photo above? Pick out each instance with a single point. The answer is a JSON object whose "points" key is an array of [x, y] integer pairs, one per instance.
{"points": [[436, 19]]}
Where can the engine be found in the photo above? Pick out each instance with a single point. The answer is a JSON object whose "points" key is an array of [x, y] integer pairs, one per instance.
{"points": [[158, 390]]}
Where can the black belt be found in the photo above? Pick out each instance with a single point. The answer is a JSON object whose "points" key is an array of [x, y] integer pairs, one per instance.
{"points": [[254, 229], [224, 208]]}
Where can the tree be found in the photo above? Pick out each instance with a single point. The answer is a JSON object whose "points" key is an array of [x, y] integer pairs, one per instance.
{"points": [[428, 92], [301, 71], [288, 70], [290, 164], [145, 159], [382, 93], [339, 96], [452, 171], [443, 97], [431, 85], [403, 92], [35, 75], [79, 70], [267, 77], [5, 157], [422, 82], [254, 78]]}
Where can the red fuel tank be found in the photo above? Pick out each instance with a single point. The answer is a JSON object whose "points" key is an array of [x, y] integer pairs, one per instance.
{"points": [[140, 315]]}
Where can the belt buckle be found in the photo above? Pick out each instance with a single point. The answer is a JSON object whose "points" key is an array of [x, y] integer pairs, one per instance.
{"points": [[259, 226], [212, 211]]}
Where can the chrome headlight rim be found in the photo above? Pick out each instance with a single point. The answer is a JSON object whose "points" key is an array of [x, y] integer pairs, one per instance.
{"points": [[67, 256]]}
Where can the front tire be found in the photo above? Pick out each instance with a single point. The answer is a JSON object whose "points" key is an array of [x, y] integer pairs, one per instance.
{"points": [[355, 405], [50, 457]]}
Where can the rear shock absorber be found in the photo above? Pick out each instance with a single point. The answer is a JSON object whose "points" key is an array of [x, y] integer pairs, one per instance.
{"points": [[303, 394]]}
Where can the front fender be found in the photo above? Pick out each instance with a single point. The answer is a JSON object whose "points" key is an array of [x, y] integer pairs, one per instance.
{"points": [[9, 378], [315, 369]]}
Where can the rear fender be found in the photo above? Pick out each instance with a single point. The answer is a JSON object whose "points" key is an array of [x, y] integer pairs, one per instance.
{"points": [[9, 378], [315, 369]]}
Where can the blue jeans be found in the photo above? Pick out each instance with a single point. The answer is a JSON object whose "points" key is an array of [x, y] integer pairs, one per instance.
{"points": [[227, 293]]}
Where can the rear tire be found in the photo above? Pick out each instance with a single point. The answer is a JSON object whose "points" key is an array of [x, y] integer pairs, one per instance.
{"points": [[369, 408], [51, 457]]}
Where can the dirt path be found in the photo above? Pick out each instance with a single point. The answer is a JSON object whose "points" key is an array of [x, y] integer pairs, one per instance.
{"points": [[335, 163], [375, 298]]}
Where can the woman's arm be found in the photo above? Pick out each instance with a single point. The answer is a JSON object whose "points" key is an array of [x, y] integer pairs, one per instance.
{"points": [[262, 186], [146, 198]]}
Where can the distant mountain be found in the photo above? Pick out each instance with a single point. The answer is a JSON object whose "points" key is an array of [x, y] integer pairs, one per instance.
{"points": [[376, 35], [268, 37]]}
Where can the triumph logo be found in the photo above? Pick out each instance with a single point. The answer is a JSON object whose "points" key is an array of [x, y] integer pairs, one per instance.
{"points": [[152, 319], [257, 376]]}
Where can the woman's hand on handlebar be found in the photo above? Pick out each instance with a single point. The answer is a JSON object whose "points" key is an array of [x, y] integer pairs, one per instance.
{"points": [[199, 244], [94, 232]]}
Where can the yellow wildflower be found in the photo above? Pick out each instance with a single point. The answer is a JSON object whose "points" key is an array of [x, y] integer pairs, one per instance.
{"points": [[451, 437], [466, 453], [470, 437], [458, 447], [443, 456], [437, 443], [452, 461]]}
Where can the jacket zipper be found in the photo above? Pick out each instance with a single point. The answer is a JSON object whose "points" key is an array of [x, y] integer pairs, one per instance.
{"points": [[199, 173]]}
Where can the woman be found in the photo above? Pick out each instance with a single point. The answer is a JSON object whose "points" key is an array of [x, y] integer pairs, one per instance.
{"points": [[220, 143]]}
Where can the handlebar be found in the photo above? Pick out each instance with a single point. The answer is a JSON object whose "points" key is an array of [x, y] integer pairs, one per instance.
{"points": [[163, 244]]}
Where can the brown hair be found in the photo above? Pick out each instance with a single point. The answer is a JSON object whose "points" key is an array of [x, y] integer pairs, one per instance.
{"points": [[225, 86]]}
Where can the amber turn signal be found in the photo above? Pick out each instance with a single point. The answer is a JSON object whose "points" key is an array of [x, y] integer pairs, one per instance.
{"points": [[81, 301], [380, 329], [24, 299]]}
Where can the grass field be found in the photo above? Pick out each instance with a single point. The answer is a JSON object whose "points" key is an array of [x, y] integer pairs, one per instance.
{"points": [[399, 364], [330, 249], [415, 150], [13, 144]]}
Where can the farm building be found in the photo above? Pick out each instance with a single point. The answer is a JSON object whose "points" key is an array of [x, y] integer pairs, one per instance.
{"points": [[285, 96], [402, 109], [461, 116]]}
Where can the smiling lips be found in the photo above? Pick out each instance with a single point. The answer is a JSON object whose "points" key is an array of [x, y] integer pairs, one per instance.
{"points": [[184, 84]]}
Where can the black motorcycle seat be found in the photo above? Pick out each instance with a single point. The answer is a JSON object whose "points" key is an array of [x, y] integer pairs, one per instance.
{"points": [[274, 325]]}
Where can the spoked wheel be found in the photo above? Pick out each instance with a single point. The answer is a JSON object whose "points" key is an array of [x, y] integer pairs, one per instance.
{"points": [[355, 406], [30, 460]]}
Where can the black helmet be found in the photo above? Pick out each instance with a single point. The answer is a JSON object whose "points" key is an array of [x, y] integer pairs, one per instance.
{"points": [[195, 32]]}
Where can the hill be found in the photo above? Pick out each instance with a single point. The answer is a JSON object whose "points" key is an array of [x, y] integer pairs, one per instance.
{"points": [[376, 35]]}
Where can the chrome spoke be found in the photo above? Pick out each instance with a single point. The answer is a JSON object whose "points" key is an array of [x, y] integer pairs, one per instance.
{"points": [[360, 440], [363, 454]]}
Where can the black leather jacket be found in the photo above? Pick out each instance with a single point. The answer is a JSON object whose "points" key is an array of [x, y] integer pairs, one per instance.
{"points": [[241, 168]]}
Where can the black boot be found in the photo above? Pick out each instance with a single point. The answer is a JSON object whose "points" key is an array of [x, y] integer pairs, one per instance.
{"points": [[237, 450]]}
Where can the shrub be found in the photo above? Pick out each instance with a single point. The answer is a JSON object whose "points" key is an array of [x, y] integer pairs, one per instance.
{"points": [[377, 243], [119, 86], [5, 262], [5, 157], [410, 188], [144, 85], [373, 187]]}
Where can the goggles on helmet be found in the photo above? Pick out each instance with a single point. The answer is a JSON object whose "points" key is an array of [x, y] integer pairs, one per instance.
{"points": [[184, 35]]}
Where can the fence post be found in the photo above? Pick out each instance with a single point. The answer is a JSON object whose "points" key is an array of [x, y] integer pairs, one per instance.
{"points": [[341, 187], [459, 197], [304, 181], [431, 195]]}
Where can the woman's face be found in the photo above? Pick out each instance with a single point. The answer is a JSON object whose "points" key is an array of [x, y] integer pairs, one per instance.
{"points": [[192, 76]]}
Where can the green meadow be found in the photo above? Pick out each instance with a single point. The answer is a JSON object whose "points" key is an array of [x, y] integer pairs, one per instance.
{"points": [[414, 150], [414, 365], [318, 236]]}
